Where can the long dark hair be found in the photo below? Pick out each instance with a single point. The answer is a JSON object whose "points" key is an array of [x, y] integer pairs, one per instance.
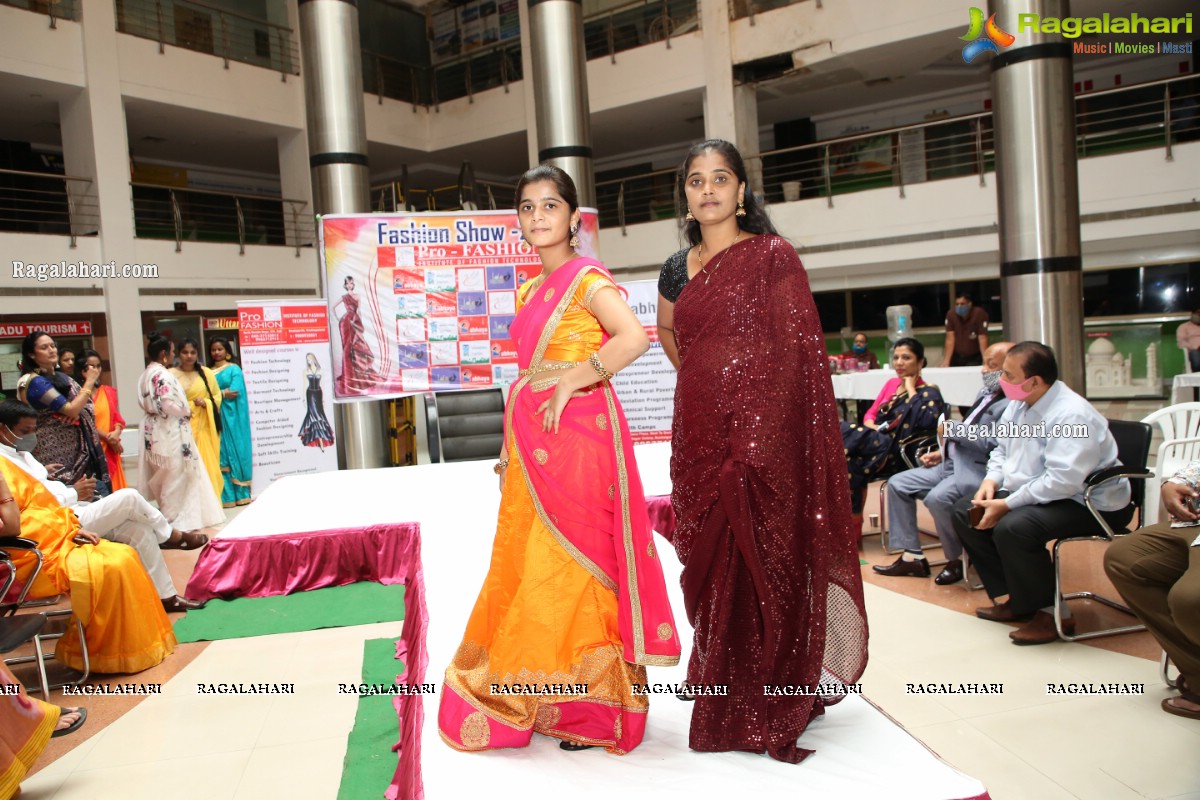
{"points": [[548, 172], [81, 362], [756, 219], [60, 380], [184, 342], [229, 354]]}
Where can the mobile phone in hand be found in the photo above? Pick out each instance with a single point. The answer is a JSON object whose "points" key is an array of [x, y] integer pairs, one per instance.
{"points": [[976, 515]]}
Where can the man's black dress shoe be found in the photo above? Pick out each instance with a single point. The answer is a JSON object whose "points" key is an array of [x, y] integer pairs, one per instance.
{"points": [[918, 568], [951, 573]]}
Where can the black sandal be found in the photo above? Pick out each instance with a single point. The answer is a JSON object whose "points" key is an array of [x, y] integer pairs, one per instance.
{"points": [[82, 712], [172, 605], [574, 747]]}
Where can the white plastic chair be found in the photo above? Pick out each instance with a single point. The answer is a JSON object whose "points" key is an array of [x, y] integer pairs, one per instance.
{"points": [[1180, 426]]}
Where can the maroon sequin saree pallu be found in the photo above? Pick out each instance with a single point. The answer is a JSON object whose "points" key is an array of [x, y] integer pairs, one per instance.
{"points": [[771, 578]]}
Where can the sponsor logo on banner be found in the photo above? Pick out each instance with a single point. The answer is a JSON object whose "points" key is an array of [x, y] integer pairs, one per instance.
{"points": [[477, 376], [441, 304], [504, 350], [21, 330], [473, 328], [408, 280]]}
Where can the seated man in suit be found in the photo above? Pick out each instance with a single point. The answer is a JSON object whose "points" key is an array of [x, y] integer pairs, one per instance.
{"points": [[1157, 570], [124, 516], [1049, 440], [949, 475]]}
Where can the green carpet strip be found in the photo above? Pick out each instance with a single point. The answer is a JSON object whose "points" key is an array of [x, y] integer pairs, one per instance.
{"points": [[370, 763], [332, 607]]}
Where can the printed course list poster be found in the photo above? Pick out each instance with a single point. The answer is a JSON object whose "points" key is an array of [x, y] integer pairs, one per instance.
{"points": [[285, 361]]}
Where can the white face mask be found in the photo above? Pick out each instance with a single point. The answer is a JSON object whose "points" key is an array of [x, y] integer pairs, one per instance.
{"points": [[991, 380]]}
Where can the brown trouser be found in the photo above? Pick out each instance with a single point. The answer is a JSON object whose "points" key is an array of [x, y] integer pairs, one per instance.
{"points": [[1158, 573]]}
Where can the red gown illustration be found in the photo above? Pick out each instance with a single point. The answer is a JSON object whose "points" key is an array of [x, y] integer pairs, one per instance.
{"points": [[358, 362]]}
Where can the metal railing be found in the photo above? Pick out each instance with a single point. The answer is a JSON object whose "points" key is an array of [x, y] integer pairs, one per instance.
{"points": [[54, 9], [638, 23], [194, 25], [1156, 114], [392, 198], [39, 202], [748, 8], [197, 215], [497, 65]]}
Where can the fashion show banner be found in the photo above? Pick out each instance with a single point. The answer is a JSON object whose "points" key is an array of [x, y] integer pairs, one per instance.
{"points": [[285, 362], [646, 387], [421, 302]]}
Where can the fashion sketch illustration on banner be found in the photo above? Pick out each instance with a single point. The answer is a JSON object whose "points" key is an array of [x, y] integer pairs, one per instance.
{"points": [[357, 373], [315, 431]]}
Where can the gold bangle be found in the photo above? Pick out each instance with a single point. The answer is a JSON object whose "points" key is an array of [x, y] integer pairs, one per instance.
{"points": [[500, 466], [594, 360]]}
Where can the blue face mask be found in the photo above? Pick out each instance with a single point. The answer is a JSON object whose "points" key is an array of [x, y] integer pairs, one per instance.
{"points": [[962, 311], [860, 348]]}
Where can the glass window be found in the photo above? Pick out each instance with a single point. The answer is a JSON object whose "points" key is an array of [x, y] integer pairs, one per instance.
{"points": [[831, 308], [930, 302], [1158, 289]]}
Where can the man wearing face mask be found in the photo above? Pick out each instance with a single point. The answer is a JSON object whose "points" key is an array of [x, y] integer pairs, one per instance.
{"points": [[1033, 492], [124, 516], [966, 334], [1188, 337], [947, 476]]}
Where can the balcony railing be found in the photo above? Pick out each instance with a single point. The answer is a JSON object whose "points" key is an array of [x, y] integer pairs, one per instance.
{"points": [[632, 25], [1156, 114], [195, 215], [206, 29], [38, 202], [638, 23], [748, 8], [54, 9], [487, 195]]}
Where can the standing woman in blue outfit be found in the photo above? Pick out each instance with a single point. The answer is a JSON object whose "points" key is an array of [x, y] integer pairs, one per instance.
{"points": [[236, 461]]}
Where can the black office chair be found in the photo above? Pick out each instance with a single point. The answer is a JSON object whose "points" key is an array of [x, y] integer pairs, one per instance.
{"points": [[1133, 450], [17, 629], [465, 426]]}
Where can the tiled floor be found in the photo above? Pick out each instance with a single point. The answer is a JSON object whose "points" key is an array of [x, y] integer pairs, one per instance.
{"points": [[1023, 743]]}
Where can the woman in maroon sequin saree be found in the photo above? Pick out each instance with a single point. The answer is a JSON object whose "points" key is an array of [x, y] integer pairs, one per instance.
{"points": [[771, 578]]}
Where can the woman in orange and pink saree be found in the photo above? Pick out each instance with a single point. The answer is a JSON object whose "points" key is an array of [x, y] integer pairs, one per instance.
{"points": [[574, 606]]}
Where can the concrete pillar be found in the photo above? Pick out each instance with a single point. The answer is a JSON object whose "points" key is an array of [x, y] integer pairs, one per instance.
{"points": [[1037, 187], [730, 110], [559, 82], [96, 145], [337, 143]]}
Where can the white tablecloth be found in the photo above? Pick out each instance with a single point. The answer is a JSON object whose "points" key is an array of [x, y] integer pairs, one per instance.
{"points": [[958, 385], [1183, 388]]}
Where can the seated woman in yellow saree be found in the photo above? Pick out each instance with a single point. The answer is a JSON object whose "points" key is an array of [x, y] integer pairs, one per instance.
{"points": [[204, 395], [574, 605], [123, 619]]}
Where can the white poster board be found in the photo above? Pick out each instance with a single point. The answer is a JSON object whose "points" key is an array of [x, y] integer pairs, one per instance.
{"points": [[286, 364], [646, 388]]}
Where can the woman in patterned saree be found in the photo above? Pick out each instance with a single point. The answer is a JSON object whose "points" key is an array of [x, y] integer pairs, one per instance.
{"points": [[169, 467], [67, 435], [575, 594], [771, 579]]}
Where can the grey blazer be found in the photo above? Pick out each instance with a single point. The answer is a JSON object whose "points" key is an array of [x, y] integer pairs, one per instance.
{"points": [[968, 460]]}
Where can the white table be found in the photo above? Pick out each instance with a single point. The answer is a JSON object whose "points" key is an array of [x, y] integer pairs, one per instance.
{"points": [[958, 385], [1184, 388]]}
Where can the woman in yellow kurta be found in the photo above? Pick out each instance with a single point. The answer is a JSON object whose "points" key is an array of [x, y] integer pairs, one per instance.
{"points": [[574, 605], [204, 393], [123, 619]]}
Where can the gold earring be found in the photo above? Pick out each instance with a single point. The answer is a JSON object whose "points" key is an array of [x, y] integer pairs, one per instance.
{"points": [[689, 217], [574, 237], [741, 212]]}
